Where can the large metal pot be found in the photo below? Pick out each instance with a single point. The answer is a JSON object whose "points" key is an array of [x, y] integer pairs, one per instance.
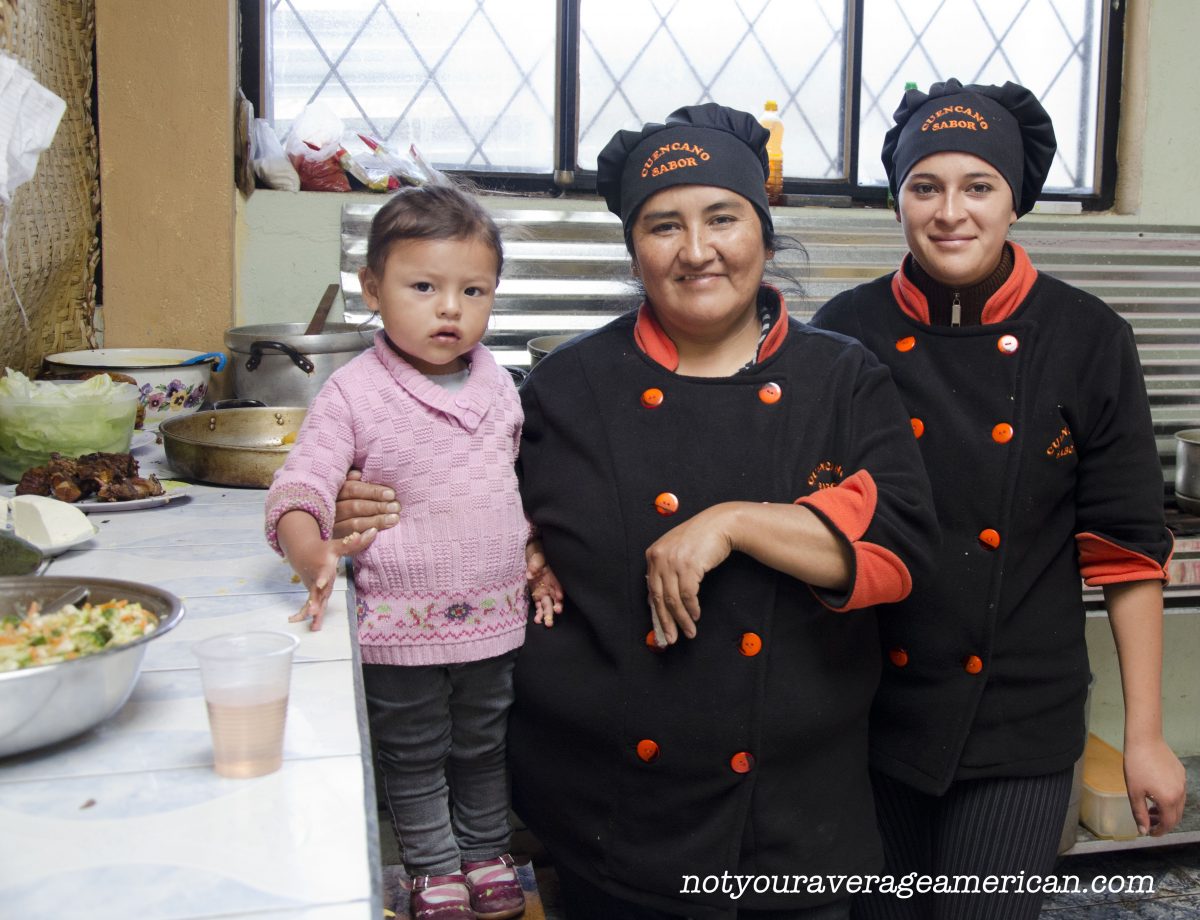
{"points": [[1187, 470], [45, 704], [231, 447], [279, 365]]}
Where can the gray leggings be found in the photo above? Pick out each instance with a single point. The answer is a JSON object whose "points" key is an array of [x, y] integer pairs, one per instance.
{"points": [[439, 731]]}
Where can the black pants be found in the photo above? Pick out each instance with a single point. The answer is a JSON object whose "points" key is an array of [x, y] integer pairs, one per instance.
{"points": [[584, 901], [979, 828]]}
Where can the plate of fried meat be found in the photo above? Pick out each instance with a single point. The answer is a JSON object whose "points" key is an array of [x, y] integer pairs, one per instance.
{"points": [[99, 482]]}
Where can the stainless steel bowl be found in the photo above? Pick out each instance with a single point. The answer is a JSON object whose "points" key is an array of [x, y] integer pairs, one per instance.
{"points": [[1187, 465], [544, 344], [48, 703]]}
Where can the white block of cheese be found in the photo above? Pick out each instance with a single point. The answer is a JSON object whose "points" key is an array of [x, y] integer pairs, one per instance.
{"points": [[47, 522]]}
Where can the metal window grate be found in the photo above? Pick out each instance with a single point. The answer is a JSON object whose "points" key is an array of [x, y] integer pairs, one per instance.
{"points": [[472, 82], [640, 59], [1050, 46]]}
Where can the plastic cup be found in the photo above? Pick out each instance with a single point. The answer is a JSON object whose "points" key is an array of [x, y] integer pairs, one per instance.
{"points": [[246, 678]]}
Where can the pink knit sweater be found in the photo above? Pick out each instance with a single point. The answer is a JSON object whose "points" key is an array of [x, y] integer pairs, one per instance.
{"points": [[446, 584]]}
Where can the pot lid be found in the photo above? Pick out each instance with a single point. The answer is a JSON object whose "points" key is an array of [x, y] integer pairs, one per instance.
{"points": [[335, 337]]}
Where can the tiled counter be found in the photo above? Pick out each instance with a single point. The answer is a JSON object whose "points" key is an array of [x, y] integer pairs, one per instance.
{"points": [[129, 819]]}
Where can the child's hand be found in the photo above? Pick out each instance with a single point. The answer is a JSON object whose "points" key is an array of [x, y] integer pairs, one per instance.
{"points": [[544, 588], [318, 577], [315, 560]]}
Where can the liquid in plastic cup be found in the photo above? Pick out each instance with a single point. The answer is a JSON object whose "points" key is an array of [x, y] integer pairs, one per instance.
{"points": [[246, 678]]}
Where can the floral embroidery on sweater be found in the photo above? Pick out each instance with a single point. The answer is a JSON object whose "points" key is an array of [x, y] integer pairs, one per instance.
{"points": [[434, 615]]}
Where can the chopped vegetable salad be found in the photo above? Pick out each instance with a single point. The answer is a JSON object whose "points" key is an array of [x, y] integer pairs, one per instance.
{"points": [[71, 632]]}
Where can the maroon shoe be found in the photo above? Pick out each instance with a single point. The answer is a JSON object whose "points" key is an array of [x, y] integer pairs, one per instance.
{"points": [[495, 890], [440, 897]]}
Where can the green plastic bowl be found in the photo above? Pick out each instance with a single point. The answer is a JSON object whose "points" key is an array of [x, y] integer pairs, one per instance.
{"points": [[32, 428]]}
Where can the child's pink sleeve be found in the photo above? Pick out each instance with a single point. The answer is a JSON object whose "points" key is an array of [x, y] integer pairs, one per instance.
{"points": [[317, 464]]}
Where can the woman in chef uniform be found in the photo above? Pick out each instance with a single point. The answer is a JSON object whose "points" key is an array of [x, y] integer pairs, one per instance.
{"points": [[708, 454], [1027, 401]]}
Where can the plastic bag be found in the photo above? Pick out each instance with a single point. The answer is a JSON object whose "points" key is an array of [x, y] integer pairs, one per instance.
{"points": [[270, 163], [432, 175], [398, 166], [368, 171], [313, 146]]}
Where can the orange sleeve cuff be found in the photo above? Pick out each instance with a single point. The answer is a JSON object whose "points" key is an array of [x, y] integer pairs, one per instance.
{"points": [[1102, 562], [880, 576], [849, 506]]}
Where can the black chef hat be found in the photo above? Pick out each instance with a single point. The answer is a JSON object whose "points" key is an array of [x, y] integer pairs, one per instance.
{"points": [[1004, 125], [706, 144]]}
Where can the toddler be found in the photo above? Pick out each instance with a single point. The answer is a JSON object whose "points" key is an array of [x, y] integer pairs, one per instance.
{"points": [[441, 597]]}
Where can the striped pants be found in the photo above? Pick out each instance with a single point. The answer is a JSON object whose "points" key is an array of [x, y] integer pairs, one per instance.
{"points": [[984, 827]]}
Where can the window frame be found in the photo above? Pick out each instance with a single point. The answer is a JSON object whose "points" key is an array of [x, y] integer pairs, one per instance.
{"points": [[567, 178]]}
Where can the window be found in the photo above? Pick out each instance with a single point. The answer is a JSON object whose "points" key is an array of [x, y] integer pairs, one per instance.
{"points": [[528, 91]]}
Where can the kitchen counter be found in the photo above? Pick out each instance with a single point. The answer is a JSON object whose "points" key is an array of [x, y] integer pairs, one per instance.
{"points": [[129, 819]]}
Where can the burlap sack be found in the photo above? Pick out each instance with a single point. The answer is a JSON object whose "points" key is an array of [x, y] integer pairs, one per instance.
{"points": [[52, 243]]}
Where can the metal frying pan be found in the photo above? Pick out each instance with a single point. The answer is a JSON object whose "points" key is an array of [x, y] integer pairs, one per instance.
{"points": [[231, 447]]}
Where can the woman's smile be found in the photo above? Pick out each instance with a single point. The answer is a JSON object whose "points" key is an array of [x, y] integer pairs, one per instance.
{"points": [[699, 253], [956, 210]]}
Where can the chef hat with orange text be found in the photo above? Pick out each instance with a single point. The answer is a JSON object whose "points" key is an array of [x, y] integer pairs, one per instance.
{"points": [[706, 144], [1005, 125]]}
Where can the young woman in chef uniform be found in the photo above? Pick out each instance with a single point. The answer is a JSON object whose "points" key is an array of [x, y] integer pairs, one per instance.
{"points": [[1028, 404]]}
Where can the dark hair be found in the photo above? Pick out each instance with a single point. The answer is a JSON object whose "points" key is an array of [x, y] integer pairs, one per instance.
{"points": [[430, 212]]}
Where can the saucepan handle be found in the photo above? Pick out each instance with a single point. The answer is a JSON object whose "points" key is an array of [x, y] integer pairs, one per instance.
{"points": [[216, 358], [256, 350]]}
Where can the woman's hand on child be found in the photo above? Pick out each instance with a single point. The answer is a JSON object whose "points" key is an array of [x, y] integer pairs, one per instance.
{"points": [[361, 507], [544, 588]]}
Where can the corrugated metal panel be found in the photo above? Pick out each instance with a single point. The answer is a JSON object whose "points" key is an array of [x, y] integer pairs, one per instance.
{"points": [[567, 270]]}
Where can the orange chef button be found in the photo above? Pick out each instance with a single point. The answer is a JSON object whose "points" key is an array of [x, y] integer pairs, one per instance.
{"points": [[918, 427], [666, 503], [770, 393], [1008, 344], [972, 664], [1002, 433], [751, 644], [898, 657], [647, 750], [652, 398], [989, 538], [651, 644], [742, 762], [908, 343]]}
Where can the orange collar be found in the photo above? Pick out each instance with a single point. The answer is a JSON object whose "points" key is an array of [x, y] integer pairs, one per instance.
{"points": [[654, 342], [999, 307]]}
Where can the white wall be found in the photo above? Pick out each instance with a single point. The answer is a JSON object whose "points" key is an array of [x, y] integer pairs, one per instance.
{"points": [[1170, 193]]}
